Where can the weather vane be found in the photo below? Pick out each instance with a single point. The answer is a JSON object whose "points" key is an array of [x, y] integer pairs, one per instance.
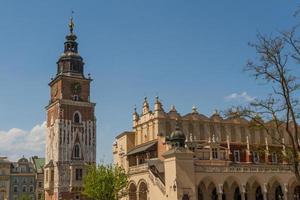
{"points": [[71, 24]]}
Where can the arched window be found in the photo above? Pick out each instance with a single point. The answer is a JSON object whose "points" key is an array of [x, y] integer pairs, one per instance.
{"points": [[278, 193], [237, 194], [143, 191], [185, 197], [258, 194], [77, 118], [132, 192], [76, 151], [297, 192], [200, 192], [214, 194]]}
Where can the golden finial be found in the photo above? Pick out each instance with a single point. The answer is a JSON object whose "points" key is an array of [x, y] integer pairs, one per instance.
{"points": [[71, 24]]}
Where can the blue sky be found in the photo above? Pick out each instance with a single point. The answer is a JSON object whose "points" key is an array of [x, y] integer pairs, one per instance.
{"points": [[186, 52]]}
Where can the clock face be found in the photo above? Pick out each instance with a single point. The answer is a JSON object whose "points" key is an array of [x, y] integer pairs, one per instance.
{"points": [[76, 88]]}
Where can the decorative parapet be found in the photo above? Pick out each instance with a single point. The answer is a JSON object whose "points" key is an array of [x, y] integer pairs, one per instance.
{"points": [[138, 169], [245, 168], [156, 181], [145, 168]]}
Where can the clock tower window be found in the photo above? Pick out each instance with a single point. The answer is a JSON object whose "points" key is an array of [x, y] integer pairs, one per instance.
{"points": [[77, 151], [78, 173], [75, 97], [77, 117]]}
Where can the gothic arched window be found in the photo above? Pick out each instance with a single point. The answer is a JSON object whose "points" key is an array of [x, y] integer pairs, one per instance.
{"points": [[76, 151], [76, 117]]}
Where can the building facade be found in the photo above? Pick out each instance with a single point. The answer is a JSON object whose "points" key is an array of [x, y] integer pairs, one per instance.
{"points": [[38, 164], [71, 126], [170, 156], [4, 178], [22, 180]]}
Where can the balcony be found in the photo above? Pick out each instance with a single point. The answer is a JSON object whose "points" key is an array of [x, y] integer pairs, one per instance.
{"points": [[138, 168]]}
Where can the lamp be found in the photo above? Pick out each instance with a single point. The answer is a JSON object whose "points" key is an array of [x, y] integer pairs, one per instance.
{"points": [[174, 186]]}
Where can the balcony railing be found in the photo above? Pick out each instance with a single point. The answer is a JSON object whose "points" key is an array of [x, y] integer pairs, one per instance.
{"points": [[156, 181], [145, 168], [138, 168]]}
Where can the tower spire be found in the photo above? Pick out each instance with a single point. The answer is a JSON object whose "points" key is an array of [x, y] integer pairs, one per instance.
{"points": [[70, 62], [71, 24]]}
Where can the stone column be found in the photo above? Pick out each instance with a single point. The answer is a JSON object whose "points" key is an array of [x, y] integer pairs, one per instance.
{"points": [[248, 150], [243, 191], [285, 191], [265, 196], [137, 160], [243, 195], [220, 196], [247, 156], [71, 174], [265, 192], [220, 191]]}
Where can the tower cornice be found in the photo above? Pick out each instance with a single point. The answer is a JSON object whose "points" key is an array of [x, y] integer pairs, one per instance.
{"points": [[71, 103], [60, 76]]}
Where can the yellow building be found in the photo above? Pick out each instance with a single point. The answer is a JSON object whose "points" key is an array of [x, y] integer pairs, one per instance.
{"points": [[4, 178], [192, 156]]}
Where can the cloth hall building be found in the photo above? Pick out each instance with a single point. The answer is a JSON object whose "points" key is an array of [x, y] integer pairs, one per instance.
{"points": [[196, 157]]}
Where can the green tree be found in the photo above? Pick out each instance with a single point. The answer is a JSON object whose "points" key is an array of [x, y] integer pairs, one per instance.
{"points": [[25, 197], [105, 182]]}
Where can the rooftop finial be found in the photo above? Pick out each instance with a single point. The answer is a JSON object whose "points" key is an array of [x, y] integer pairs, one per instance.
{"points": [[194, 110], [71, 24]]}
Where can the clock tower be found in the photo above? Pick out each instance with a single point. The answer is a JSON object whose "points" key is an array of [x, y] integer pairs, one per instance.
{"points": [[71, 126]]}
